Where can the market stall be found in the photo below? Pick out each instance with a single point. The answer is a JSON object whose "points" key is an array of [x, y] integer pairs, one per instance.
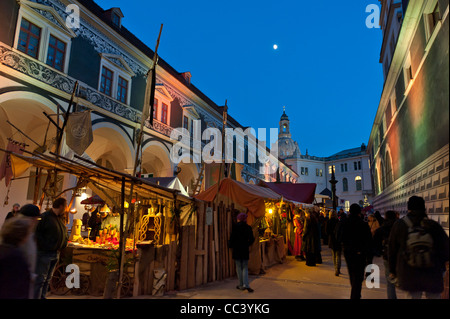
{"points": [[295, 197], [263, 215], [129, 223]]}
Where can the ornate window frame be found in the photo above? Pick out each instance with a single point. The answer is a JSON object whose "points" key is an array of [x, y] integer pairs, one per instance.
{"points": [[163, 96], [51, 23], [119, 67]]}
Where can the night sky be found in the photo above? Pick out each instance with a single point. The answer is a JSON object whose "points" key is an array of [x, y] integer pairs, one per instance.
{"points": [[326, 69]]}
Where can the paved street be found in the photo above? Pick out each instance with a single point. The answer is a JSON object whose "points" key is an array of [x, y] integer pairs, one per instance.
{"points": [[290, 280]]}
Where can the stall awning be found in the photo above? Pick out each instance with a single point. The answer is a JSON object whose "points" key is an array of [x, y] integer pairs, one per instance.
{"points": [[105, 182], [169, 182], [301, 192], [250, 196]]}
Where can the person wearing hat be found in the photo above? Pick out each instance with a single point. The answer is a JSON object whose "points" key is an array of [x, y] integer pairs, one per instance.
{"points": [[14, 211], [29, 248], [413, 277], [240, 241]]}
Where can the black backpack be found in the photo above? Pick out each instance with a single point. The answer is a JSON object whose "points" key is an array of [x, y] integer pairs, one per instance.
{"points": [[419, 251]]}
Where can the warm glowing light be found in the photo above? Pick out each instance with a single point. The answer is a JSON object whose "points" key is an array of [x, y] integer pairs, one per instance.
{"points": [[84, 196], [126, 205], [73, 211], [270, 211], [105, 209]]}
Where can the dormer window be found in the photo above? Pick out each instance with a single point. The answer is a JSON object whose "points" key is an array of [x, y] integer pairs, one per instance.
{"points": [[115, 19], [115, 15]]}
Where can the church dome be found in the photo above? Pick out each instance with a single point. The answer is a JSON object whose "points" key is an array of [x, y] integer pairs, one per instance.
{"points": [[287, 148]]}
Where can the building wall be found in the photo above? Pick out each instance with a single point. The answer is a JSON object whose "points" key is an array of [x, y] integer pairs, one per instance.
{"points": [[29, 86], [413, 138]]}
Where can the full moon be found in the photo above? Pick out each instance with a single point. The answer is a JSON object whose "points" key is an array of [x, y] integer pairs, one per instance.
{"points": [[275, 46]]}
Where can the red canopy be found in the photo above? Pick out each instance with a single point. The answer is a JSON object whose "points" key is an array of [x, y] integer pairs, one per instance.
{"points": [[301, 193], [250, 196]]}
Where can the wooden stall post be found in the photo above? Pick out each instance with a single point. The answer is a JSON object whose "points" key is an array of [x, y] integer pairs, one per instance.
{"points": [[184, 241], [200, 253], [191, 258], [205, 245]]}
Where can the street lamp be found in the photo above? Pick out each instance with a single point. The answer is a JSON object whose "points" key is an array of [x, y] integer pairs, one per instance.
{"points": [[333, 183]]}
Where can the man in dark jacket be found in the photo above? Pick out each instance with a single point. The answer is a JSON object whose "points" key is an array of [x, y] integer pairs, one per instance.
{"points": [[411, 279], [240, 241], [356, 240], [333, 243], [51, 237], [14, 212]]}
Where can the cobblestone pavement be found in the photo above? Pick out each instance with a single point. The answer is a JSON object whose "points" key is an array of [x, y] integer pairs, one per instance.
{"points": [[290, 280]]}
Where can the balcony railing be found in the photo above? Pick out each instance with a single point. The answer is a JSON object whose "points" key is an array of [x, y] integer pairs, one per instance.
{"points": [[45, 74]]}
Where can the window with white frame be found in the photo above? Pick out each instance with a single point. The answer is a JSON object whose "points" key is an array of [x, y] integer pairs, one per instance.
{"points": [[43, 37], [358, 182], [115, 78], [162, 105]]}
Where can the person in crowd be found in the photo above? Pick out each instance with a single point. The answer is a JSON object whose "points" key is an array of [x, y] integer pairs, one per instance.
{"points": [[333, 243], [379, 218], [381, 239], [373, 223], [85, 219], [95, 223], [240, 241], [29, 248], [311, 238], [298, 230], [13, 212], [318, 253], [14, 271], [421, 270], [340, 213], [356, 242], [323, 227], [51, 238]]}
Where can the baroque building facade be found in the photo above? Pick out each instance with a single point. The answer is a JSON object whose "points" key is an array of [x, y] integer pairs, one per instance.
{"points": [[409, 141], [351, 168], [41, 60]]}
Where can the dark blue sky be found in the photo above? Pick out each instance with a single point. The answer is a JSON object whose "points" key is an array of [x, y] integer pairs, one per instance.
{"points": [[326, 70]]}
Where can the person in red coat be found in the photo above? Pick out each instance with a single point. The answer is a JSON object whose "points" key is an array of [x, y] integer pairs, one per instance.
{"points": [[298, 229]]}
